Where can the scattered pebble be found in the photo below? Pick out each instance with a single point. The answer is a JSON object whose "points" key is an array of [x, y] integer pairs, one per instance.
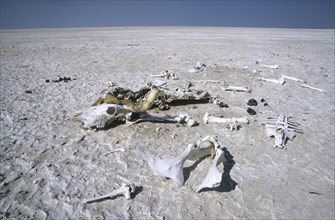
{"points": [[252, 102], [29, 91], [251, 111]]}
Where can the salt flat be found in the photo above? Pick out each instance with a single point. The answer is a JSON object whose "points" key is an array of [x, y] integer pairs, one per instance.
{"points": [[49, 163]]}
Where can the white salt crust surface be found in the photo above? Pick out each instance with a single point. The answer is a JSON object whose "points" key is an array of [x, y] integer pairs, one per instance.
{"points": [[49, 164]]}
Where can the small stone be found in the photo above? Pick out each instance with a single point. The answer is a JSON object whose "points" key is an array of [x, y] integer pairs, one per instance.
{"points": [[29, 91], [252, 102], [257, 62], [265, 104], [47, 81], [223, 105], [251, 111], [262, 100]]}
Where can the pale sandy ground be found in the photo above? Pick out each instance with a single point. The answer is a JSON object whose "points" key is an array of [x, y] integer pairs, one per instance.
{"points": [[49, 164]]}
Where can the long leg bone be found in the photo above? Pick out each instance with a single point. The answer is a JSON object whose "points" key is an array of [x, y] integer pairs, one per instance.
{"points": [[281, 80], [233, 123], [173, 167], [213, 178], [311, 87], [125, 190], [246, 89], [182, 118], [269, 66]]}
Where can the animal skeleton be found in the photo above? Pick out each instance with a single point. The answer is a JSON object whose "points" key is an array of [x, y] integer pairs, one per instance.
{"points": [[233, 123], [125, 190], [282, 130]]}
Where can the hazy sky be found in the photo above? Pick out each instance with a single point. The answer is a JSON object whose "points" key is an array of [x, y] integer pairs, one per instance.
{"points": [[271, 13]]}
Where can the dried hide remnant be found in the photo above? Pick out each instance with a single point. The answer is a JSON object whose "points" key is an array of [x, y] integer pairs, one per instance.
{"points": [[145, 98]]}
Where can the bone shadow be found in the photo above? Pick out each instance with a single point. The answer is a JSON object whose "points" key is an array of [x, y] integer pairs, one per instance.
{"points": [[227, 184], [187, 170], [138, 190]]}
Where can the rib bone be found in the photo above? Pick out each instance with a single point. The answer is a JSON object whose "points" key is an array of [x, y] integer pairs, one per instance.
{"points": [[173, 167], [233, 123], [246, 89], [125, 190], [213, 178]]}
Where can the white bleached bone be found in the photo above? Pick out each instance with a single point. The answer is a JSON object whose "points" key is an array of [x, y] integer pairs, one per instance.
{"points": [[126, 190], [213, 178], [311, 87], [102, 115], [282, 130], [269, 66], [167, 74], [173, 167], [197, 68], [233, 123], [281, 80], [181, 118], [246, 89]]}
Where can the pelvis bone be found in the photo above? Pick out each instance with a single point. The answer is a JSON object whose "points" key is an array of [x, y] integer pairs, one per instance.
{"points": [[213, 178], [282, 130], [173, 167]]}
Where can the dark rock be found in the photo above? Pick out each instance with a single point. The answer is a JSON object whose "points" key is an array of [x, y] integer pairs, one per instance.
{"points": [[223, 105], [252, 102], [29, 91], [265, 104], [251, 111]]}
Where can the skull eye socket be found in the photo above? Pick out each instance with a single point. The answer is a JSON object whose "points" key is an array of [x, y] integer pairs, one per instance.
{"points": [[111, 111]]}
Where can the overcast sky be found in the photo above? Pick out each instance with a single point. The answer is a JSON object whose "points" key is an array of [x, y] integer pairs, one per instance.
{"points": [[270, 13]]}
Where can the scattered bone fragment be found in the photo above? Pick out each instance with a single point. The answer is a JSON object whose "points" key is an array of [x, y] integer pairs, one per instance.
{"points": [[198, 68], [269, 66], [115, 150], [283, 129], [173, 167], [214, 177], [293, 78], [281, 80], [232, 123], [314, 88], [126, 190], [246, 89], [167, 74]]}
